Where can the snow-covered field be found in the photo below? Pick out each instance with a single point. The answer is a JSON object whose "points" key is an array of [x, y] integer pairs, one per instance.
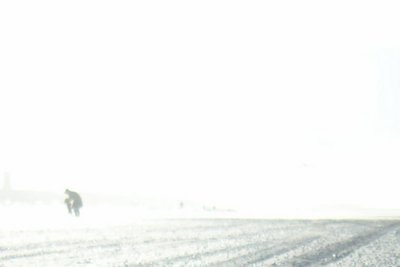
{"points": [[56, 239]]}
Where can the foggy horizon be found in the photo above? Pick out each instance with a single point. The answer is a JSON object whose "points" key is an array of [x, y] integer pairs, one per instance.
{"points": [[269, 107]]}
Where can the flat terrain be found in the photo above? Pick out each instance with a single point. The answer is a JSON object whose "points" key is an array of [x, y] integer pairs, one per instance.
{"points": [[207, 242]]}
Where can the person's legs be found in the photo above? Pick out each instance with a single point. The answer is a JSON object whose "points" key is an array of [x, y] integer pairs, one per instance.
{"points": [[68, 205], [76, 211]]}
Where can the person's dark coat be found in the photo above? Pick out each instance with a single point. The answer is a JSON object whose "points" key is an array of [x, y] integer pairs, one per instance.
{"points": [[74, 201]]}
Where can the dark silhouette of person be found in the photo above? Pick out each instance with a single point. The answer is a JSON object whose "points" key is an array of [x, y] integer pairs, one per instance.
{"points": [[73, 202]]}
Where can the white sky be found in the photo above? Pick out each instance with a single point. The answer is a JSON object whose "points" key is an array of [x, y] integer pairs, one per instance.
{"points": [[228, 101]]}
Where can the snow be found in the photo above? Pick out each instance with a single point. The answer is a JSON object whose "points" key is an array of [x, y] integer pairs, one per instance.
{"points": [[47, 236]]}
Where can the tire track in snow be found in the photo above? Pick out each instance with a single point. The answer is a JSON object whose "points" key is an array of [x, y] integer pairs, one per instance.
{"points": [[336, 251], [265, 253], [63, 250], [249, 252]]}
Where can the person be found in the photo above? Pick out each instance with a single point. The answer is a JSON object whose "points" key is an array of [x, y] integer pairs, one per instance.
{"points": [[73, 202]]}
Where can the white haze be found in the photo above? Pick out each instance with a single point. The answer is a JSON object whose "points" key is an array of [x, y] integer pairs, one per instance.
{"points": [[246, 103]]}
